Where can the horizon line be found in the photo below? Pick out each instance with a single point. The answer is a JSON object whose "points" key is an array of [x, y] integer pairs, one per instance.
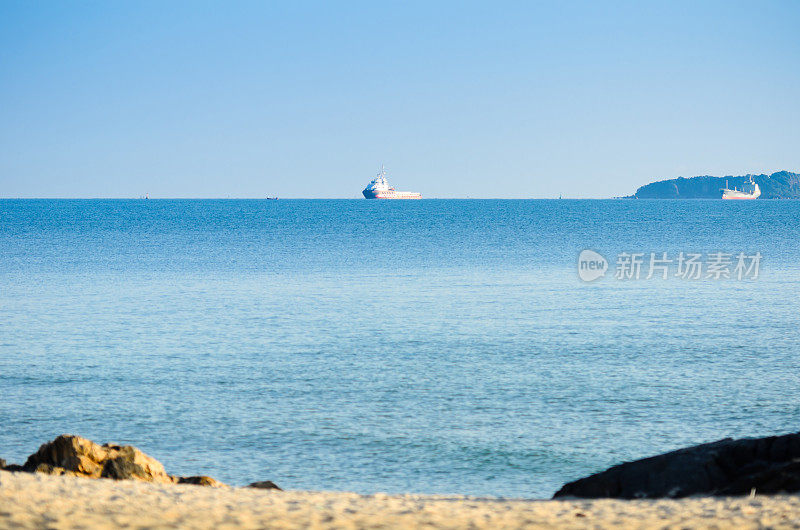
{"points": [[301, 199]]}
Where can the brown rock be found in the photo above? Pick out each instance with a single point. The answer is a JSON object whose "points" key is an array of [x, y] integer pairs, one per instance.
{"points": [[74, 453], [84, 458], [265, 485], [127, 462], [200, 480], [47, 469]]}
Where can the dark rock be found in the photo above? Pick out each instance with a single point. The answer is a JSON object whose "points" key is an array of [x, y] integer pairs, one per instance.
{"points": [[122, 468], [265, 485], [780, 478], [200, 480], [13, 467], [725, 467], [2, 464]]}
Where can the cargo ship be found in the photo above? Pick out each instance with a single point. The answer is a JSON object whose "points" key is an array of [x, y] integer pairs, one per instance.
{"points": [[378, 188], [753, 192]]}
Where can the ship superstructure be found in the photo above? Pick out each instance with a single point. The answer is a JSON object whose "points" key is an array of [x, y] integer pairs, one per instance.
{"points": [[378, 188]]}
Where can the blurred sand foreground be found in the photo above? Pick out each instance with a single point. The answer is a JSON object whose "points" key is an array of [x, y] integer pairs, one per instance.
{"points": [[42, 501]]}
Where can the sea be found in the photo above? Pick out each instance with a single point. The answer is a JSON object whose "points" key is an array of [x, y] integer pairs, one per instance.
{"points": [[433, 346]]}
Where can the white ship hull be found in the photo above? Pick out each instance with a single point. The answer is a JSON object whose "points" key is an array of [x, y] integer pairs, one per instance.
{"points": [[738, 195], [734, 194], [729, 194], [369, 194]]}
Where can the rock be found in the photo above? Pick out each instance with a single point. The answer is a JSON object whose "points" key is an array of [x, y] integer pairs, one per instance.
{"points": [[725, 467], [47, 469], [128, 462], [123, 468], [74, 453], [200, 480], [775, 479], [2, 464], [265, 485], [84, 458], [13, 468]]}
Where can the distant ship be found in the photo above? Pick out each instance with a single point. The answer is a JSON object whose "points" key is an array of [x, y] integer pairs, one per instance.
{"points": [[754, 192], [378, 188]]}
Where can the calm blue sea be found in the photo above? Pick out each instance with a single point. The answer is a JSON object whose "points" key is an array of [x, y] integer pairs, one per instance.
{"points": [[435, 346]]}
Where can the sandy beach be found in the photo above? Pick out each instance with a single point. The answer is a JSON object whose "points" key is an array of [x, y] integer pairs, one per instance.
{"points": [[41, 501]]}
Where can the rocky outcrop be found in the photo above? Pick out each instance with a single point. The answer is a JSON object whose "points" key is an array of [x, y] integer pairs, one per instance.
{"points": [[79, 457], [73, 455], [725, 467]]}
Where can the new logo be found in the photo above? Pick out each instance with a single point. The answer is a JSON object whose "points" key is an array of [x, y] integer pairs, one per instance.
{"points": [[591, 265]]}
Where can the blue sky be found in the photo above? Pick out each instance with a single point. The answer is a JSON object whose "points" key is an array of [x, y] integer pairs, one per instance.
{"points": [[458, 99]]}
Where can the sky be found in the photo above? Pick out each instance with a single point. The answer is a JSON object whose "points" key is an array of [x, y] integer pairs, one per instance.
{"points": [[458, 99]]}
